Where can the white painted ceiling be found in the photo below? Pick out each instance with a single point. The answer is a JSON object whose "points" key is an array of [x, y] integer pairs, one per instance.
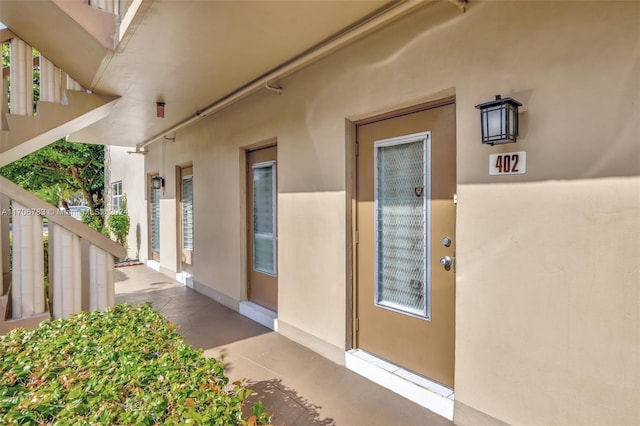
{"points": [[192, 53]]}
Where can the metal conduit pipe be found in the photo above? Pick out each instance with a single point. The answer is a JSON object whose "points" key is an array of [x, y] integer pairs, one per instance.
{"points": [[348, 35]]}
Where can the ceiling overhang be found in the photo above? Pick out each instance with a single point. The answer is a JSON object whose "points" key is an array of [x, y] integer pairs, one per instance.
{"points": [[194, 56]]}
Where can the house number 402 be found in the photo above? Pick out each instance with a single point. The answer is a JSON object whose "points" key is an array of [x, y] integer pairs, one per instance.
{"points": [[508, 163]]}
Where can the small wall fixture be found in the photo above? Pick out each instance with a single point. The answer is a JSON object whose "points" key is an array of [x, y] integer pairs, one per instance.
{"points": [[499, 120], [157, 182], [160, 109]]}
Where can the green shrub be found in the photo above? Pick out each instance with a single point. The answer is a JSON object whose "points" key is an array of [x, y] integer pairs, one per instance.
{"points": [[119, 224], [126, 365], [119, 227], [94, 221]]}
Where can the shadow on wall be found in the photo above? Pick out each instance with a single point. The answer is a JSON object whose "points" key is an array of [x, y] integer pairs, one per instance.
{"points": [[138, 240], [287, 407]]}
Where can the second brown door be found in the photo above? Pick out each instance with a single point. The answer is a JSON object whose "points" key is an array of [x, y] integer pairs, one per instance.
{"points": [[262, 227]]}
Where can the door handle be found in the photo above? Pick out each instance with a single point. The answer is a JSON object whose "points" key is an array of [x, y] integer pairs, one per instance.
{"points": [[446, 261]]}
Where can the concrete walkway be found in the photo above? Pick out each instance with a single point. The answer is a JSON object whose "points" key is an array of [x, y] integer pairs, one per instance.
{"points": [[298, 385]]}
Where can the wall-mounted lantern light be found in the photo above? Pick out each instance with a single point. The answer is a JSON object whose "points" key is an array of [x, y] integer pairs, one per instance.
{"points": [[499, 120], [157, 182], [160, 109]]}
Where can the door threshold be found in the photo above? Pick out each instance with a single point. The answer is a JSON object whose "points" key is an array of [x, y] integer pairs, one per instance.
{"points": [[415, 388], [153, 264], [185, 278], [260, 314]]}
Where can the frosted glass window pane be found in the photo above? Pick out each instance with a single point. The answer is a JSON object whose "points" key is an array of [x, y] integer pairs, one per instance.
{"points": [[263, 200], [400, 228], [187, 213], [263, 259], [264, 218]]}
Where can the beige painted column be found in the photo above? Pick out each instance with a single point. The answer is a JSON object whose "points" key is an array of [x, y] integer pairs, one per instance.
{"points": [[27, 294], [4, 103], [50, 81], [101, 287], [72, 84], [21, 78], [66, 277], [105, 5], [4, 244]]}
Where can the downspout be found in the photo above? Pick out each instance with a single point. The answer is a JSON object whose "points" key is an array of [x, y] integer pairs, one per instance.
{"points": [[358, 30]]}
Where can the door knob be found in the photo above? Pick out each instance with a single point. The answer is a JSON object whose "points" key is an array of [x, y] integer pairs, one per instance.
{"points": [[446, 262]]}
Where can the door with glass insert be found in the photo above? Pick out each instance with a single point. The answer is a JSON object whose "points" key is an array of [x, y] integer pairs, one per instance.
{"points": [[185, 214], [405, 254], [153, 208], [262, 236]]}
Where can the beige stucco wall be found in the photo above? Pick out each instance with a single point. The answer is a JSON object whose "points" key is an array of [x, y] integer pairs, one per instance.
{"points": [[553, 325], [547, 286], [129, 169]]}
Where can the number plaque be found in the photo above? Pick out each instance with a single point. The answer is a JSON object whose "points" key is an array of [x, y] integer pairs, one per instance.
{"points": [[508, 163]]}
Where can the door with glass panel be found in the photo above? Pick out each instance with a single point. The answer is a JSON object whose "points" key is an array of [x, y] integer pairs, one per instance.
{"points": [[185, 215], [153, 208], [406, 179], [262, 226]]}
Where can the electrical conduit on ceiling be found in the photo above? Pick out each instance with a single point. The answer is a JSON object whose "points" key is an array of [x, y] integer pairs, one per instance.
{"points": [[359, 29]]}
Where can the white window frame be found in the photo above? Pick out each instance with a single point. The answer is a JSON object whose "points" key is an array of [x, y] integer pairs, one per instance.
{"points": [[116, 198]]}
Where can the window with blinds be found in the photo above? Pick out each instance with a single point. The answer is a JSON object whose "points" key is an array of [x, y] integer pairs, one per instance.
{"points": [[264, 217]]}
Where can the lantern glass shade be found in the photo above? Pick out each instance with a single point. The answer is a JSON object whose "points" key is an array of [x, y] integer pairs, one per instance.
{"points": [[499, 120], [157, 182]]}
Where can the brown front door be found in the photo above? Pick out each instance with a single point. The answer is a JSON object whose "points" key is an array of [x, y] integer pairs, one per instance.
{"points": [[406, 180], [262, 226], [185, 219]]}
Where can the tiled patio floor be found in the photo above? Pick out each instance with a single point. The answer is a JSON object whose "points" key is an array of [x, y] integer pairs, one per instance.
{"points": [[298, 385]]}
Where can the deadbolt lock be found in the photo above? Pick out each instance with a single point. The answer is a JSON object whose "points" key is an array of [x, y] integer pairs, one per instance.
{"points": [[446, 241]]}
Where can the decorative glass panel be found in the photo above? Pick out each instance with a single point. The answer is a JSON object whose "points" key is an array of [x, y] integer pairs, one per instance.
{"points": [[187, 213], [264, 216], [401, 191], [155, 220]]}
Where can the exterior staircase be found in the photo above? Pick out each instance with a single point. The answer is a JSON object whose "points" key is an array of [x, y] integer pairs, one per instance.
{"points": [[64, 106], [81, 261], [79, 37]]}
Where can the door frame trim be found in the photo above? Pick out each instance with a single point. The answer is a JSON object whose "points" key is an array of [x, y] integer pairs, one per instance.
{"points": [[351, 130]]}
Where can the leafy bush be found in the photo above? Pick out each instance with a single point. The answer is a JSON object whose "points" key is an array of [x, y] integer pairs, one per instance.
{"points": [[119, 224], [126, 365], [94, 221]]}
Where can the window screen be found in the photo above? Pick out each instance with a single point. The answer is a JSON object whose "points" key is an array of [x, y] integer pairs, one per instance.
{"points": [[401, 192]]}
